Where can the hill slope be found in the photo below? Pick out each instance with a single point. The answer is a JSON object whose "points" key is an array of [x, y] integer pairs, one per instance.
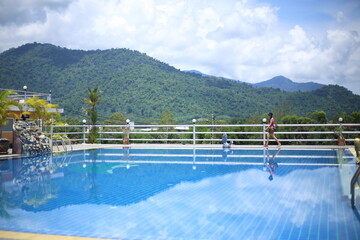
{"points": [[141, 87]]}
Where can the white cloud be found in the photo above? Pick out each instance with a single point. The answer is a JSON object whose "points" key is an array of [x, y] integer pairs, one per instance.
{"points": [[21, 12], [340, 16], [245, 22], [244, 40]]}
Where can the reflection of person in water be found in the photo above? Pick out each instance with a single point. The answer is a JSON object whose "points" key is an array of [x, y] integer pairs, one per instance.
{"points": [[271, 164], [225, 154]]}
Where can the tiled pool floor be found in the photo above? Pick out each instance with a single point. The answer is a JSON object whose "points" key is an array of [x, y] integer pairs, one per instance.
{"points": [[112, 195]]}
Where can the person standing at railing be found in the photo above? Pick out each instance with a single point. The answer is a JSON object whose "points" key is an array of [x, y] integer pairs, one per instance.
{"points": [[271, 131]]}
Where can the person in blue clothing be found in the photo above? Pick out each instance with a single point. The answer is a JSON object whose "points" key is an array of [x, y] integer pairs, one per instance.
{"points": [[224, 141]]}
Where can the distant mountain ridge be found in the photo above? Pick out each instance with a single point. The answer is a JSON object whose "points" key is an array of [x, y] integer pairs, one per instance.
{"points": [[279, 82], [141, 87], [288, 85], [207, 75]]}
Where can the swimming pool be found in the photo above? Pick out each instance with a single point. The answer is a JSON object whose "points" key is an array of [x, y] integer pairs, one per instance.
{"points": [[129, 193]]}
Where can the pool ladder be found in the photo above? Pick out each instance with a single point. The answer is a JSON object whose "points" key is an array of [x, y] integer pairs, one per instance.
{"points": [[354, 181], [62, 140], [355, 178]]}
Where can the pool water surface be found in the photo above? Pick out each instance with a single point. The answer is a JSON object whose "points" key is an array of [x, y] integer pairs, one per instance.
{"points": [[122, 193]]}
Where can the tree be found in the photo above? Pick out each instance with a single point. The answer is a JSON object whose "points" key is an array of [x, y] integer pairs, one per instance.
{"points": [[115, 119], [167, 118], [5, 104], [93, 100], [355, 117], [41, 110], [319, 117]]}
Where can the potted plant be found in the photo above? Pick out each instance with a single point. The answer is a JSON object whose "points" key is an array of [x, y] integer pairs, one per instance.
{"points": [[126, 131], [5, 104], [341, 139]]}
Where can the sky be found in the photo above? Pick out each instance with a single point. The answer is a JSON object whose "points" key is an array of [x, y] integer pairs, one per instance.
{"points": [[246, 40]]}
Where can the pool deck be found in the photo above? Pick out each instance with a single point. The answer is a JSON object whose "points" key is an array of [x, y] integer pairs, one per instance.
{"points": [[7, 235], [191, 146], [198, 146]]}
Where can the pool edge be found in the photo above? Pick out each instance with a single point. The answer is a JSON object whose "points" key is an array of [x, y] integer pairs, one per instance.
{"points": [[32, 236]]}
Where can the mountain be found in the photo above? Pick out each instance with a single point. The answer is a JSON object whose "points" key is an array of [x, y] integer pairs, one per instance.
{"points": [[286, 84], [207, 75], [141, 87], [279, 82]]}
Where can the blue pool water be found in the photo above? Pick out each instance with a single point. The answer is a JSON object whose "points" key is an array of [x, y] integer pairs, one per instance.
{"points": [[181, 194]]}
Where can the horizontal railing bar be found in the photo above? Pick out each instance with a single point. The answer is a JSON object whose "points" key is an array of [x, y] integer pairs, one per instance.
{"points": [[218, 125], [234, 140], [111, 133], [146, 133], [169, 140], [194, 132], [327, 132], [237, 140], [111, 139], [65, 126], [307, 140], [319, 125], [229, 132], [69, 133], [209, 126], [76, 139], [321, 132], [229, 140], [289, 133]]}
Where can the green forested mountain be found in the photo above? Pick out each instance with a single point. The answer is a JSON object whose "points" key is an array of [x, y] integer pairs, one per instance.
{"points": [[141, 87]]}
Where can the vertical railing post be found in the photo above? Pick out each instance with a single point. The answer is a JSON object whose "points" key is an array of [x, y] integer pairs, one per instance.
{"points": [[101, 136], [128, 122], [264, 134], [84, 141], [51, 137], [194, 131], [340, 131], [128, 135], [84, 126]]}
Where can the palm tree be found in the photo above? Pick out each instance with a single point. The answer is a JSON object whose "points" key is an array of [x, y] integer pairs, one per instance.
{"points": [[5, 104], [41, 109], [93, 100]]}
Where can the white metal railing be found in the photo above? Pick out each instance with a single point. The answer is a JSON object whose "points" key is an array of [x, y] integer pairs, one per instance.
{"points": [[198, 133], [24, 94]]}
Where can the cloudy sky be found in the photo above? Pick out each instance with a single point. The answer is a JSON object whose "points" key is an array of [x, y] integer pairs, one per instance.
{"points": [[247, 40]]}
